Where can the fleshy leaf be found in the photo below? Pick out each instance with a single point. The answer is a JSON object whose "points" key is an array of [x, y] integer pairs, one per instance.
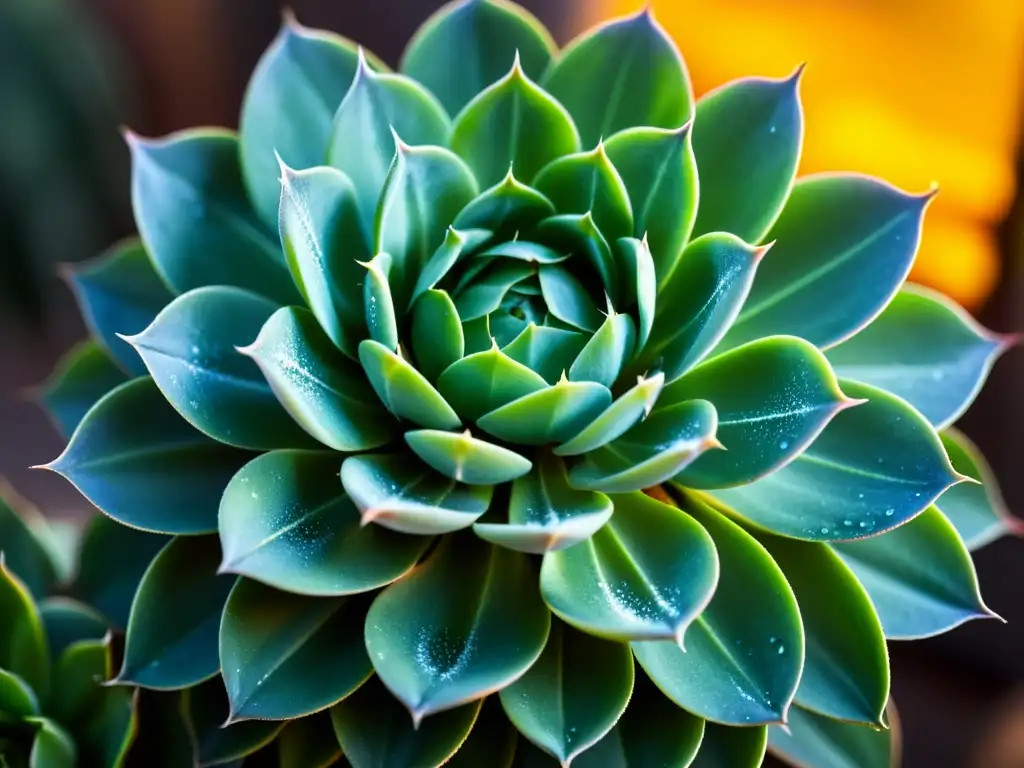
{"points": [[437, 337], [601, 360], [323, 243], [660, 173], [549, 415], [465, 458], [646, 575], [403, 390], [587, 182], [309, 742], [515, 124], [23, 645], [492, 742], [81, 377], [191, 351], [506, 208], [362, 144], [629, 408], [925, 349], [190, 202], [636, 266], [820, 741], [205, 709], [484, 294], [622, 74], [547, 351], [573, 694], [130, 453], [978, 511], [67, 622], [846, 670], [400, 493], [545, 513], [650, 452], [17, 699], [466, 622], [52, 746], [726, 747], [310, 653], [375, 731], [483, 381], [873, 468], [577, 234], [568, 300], [172, 630], [773, 398], [286, 521], [747, 138], [119, 293], [325, 392], [844, 242], [744, 653], [464, 47], [24, 534], [458, 243], [919, 576], [708, 287]]}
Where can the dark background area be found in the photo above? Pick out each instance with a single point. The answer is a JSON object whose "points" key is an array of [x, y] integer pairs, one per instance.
{"points": [[189, 61]]}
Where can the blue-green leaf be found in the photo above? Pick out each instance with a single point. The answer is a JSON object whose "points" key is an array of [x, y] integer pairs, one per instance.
{"points": [[24, 534], [483, 381], [380, 305], [484, 294], [458, 243], [622, 74], [545, 350], [81, 377], [190, 203], [549, 415], [633, 405], [467, 459], [403, 390], [437, 337], [826, 743], [68, 622], [724, 746], [506, 208], [604, 355], [636, 266]]}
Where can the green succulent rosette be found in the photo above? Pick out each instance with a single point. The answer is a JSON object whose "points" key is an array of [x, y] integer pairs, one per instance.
{"points": [[557, 422]]}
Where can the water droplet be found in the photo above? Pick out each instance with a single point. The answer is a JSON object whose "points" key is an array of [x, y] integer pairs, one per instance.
{"points": [[782, 649], [824, 530], [889, 512], [773, 640], [847, 523], [863, 524], [772, 129], [783, 445]]}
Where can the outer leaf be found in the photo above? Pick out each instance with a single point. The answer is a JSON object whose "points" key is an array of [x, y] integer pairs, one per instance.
{"points": [[286, 521], [205, 709], [652, 451], [658, 168], [846, 672], [404, 390], [773, 398], [977, 511], [546, 350], [620, 75], [920, 577], [545, 513], [52, 746], [573, 695], [325, 392], [404, 495], [744, 653], [172, 630], [81, 377], [23, 540], [549, 415], [708, 287], [323, 243], [506, 208], [467, 622], [726, 747], [616, 419], [120, 292], [310, 653], [190, 202], [492, 741], [466, 46], [844, 242], [465, 458], [587, 182], [747, 138], [17, 699], [191, 352], [925, 349], [873, 468], [437, 338], [309, 742], [130, 453], [483, 381], [646, 575], [819, 741], [375, 730], [23, 646]]}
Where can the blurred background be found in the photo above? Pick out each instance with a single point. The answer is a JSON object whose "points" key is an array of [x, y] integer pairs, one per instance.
{"points": [[914, 91]]}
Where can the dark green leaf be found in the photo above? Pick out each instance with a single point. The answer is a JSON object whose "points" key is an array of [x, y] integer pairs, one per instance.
{"points": [[645, 575], [578, 234], [545, 513], [636, 265], [506, 208], [660, 173], [310, 653], [376, 731], [466, 46], [172, 630], [436, 337], [622, 74], [747, 138], [467, 622], [24, 542], [874, 467], [977, 510], [190, 202], [399, 492], [23, 646], [724, 746], [403, 390], [205, 709], [81, 377], [818, 741], [573, 694], [119, 293], [309, 742], [633, 405], [492, 742], [483, 381], [744, 653], [545, 350], [286, 521], [844, 242], [602, 358], [773, 398], [52, 746], [324, 392], [68, 621], [191, 351], [17, 699], [550, 415], [919, 576], [77, 676], [323, 243], [130, 453], [465, 458], [568, 300]]}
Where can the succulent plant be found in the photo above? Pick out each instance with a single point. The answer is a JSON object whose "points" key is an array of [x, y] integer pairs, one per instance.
{"points": [[515, 442]]}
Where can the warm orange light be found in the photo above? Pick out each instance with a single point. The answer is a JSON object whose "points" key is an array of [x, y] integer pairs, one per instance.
{"points": [[913, 91]]}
